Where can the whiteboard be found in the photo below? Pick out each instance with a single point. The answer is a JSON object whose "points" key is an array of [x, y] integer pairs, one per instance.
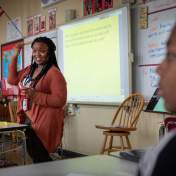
{"points": [[155, 37], [27, 45], [150, 43], [146, 80]]}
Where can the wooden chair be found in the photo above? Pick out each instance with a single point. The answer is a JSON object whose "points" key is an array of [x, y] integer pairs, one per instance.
{"points": [[12, 109], [4, 113], [12, 105], [123, 123]]}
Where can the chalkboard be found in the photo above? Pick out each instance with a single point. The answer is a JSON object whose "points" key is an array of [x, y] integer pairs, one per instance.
{"points": [[150, 44]]}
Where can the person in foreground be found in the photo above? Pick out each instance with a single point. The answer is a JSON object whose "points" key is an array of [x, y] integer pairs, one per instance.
{"points": [[161, 160], [41, 99]]}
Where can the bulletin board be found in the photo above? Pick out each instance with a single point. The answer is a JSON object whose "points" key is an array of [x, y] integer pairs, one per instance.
{"points": [[150, 44], [6, 54]]}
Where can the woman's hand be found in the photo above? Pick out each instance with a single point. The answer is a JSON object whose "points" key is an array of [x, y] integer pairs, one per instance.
{"points": [[18, 47], [28, 93]]}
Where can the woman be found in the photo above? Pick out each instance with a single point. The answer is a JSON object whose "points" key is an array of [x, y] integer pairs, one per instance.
{"points": [[41, 99]]}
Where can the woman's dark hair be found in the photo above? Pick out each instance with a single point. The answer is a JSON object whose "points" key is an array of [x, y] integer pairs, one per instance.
{"points": [[51, 49], [51, 57]]}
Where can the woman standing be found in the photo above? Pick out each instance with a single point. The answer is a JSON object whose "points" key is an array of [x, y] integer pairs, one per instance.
{"points": [[41, 99]]}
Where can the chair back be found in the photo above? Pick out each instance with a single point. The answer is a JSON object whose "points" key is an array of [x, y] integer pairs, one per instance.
{"points": [[129, 111], [170, 123], [13, 109], [4, 113]]}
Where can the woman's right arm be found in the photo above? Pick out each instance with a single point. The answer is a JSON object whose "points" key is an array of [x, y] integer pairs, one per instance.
{"points": [[14, 75]]}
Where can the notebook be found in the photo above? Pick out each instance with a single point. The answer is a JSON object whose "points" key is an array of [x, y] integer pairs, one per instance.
{"points": [[132, 155]]}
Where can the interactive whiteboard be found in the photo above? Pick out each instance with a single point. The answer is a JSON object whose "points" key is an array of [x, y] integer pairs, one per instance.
{"points": [[94, 57]]}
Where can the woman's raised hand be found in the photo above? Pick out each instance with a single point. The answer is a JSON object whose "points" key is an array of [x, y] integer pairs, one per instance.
{"points": [[18, 47]]}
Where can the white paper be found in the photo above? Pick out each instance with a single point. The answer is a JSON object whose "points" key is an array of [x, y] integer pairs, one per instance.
{"points": [[12, 32]]}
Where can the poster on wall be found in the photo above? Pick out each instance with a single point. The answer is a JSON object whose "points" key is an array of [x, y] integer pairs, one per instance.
{"points": [[37, 24], [107, 4], [94, 6], [52, 18], [6, 54], [29, 22], [88, 5], [143, 17], [42, 25]]}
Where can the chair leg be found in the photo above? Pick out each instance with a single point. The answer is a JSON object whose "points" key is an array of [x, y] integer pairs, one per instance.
{"points": [[128, 142], [121, 142], [104, 145], [110, 144], [61, 150]]}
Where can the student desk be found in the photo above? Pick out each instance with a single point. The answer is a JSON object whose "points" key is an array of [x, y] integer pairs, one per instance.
{"points": [[11, 126], [12, 138], [95, 165]]}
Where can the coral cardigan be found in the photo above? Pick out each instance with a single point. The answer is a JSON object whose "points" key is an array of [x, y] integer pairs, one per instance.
{"points": [[47, 109]]}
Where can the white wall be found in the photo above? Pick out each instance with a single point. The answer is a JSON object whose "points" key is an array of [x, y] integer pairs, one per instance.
{"points": [[80, 134]]}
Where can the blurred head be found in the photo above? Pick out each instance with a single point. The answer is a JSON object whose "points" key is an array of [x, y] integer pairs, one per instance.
{"points": [[167, 73], [43, 51]]}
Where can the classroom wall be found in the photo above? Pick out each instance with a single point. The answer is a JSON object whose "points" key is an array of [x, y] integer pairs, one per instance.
{"points": [[80, 134], [25, 8]]}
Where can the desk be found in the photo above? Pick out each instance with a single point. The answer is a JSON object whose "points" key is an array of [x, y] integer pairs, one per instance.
{"points": [[10, 126], [96, 165], [10, 141]]}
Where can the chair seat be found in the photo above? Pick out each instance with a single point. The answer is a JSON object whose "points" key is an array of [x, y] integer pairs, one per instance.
{"points": [[112, 128], [114, 133], [170, 123]]}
